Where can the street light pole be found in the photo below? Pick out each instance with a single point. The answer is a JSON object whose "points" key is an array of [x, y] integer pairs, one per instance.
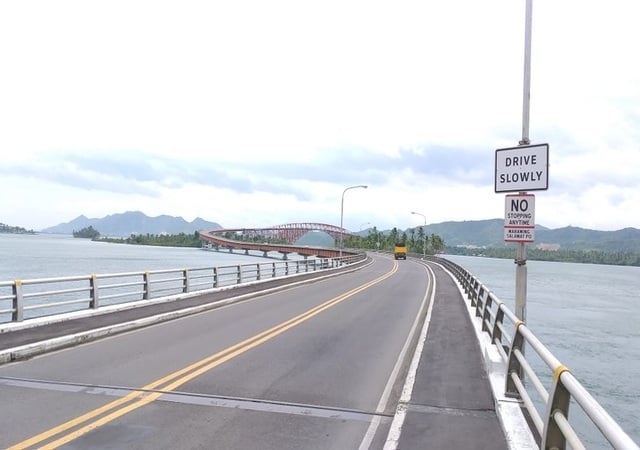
{"points": [[342, 211], [424, 244]]}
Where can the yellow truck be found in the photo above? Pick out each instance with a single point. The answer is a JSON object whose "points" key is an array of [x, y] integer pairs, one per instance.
{"points": [[400, 250]]}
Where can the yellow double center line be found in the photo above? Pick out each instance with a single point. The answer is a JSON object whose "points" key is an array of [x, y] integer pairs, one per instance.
{"points": [[141, 397]]}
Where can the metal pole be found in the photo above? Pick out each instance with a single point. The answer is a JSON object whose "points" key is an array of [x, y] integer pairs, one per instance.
{"points": [[526, 94], [342, 211], [424, 241], [521, 252], [521, 281], [341, 217]]}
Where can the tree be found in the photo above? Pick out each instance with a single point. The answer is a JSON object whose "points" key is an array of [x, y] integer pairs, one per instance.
{"points": [[421, 239], [437, 244], [88, 232], [390, 242]]}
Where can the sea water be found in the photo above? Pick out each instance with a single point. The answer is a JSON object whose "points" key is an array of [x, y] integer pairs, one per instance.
{"points": [[24, 256]]}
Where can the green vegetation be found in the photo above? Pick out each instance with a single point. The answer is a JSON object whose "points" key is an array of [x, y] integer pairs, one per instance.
{"points": [[184, 240], [617, 258], [14, 230], [88, 232], [415, 242], [164, 240]]}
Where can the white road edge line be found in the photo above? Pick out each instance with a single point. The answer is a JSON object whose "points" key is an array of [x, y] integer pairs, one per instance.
{"points": [[399, 416], [398, 420]]}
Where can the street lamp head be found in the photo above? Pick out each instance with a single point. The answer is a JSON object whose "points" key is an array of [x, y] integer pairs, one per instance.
{"points": [[355, 187]]}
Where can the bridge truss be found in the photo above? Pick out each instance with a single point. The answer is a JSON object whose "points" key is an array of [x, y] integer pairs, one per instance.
{"points": [[289, 232]]}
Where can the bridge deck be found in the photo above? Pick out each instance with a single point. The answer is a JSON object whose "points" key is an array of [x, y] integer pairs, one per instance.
{"points": [[451, 406]]}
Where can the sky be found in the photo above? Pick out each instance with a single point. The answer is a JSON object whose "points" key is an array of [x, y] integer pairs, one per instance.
{"points": [[254, 114]]}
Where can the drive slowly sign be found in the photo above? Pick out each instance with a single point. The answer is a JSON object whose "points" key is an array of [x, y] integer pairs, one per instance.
{"points": [[523, 168]]}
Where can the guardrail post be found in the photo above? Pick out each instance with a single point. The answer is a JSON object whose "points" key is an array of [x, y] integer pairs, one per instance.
{"points": [[465, 284], [497, 332], [486, 314], [18, 302], [286, 267], [215, 277], [239, 274], [514, 364], [258, 272], [185, 281], [479, 297], [146, 278], [93, 283], [297, 266], [273, 270], [559, 400], [474, 286]]}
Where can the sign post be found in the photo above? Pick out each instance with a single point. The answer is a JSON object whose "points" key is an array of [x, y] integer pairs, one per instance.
{"points": [[521, 169]]}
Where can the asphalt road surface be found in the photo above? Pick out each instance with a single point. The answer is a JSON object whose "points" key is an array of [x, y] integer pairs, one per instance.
{"points": [[319, 365]]}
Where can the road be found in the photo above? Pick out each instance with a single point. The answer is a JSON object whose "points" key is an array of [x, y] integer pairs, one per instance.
{"points": [[317, 366]]}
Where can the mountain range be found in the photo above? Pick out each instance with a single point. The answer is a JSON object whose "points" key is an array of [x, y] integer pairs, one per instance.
{"points": [[471, 233], [133, 222], [490, 233]]}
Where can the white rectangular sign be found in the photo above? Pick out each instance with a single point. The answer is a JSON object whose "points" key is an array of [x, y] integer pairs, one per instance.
{"points": [[523, 168], [519, 235], [519, 218]]}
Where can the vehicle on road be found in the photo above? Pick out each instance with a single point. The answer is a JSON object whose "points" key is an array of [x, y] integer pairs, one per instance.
{"points": [[400, 250]]}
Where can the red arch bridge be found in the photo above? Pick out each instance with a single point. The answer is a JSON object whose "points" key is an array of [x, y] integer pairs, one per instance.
{"points": [[289, 232]]}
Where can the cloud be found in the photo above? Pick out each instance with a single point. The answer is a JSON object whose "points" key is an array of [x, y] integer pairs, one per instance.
{"points": [[264, 113]]}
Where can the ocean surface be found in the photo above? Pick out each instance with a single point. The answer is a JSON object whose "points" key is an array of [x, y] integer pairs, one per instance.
{"points": [[587, 315], [25, 256]]}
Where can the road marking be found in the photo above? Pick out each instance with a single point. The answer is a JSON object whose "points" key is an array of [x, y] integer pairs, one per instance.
{"points": [[367, 440], [140, 398], [401, 413]]}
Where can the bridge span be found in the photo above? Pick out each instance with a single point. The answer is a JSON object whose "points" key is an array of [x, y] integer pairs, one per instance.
{"points": [[289, 232]]}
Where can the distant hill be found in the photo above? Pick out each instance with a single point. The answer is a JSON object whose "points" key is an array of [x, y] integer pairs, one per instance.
{"points": [[489, 233], [134, 222], [316, 239], [471, 233], [575, 238]]}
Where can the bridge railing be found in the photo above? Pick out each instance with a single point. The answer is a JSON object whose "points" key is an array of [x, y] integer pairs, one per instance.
{"points": [[548, 409], [28, 299]]}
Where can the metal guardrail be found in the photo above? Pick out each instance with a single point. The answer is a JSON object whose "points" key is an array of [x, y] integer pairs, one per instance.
{"points": [[510, 336], [27, 299]]}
